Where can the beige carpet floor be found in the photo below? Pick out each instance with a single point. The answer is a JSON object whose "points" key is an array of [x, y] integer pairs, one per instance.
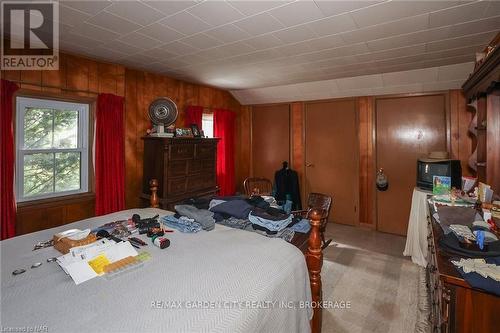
{"points": [[367, 269]]}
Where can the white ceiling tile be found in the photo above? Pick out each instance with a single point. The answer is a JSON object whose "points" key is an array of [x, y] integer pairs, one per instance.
{"points": [[71, 17], [295, 35], [293, 49], [87, 6], [160, 53], [255, 7], [455, 72], [234, 49], [140, 40], [193, 58], [297, 12], [201, 41], [174, 63], [170, 7], [407, 25], [394, 10], [366, 81], [94, 32], [104, 52], [161, 33], [419, 37], [122, 47], [216, 12], [445, 85], [333, 25], [409, 88], [260, 24], [393, 53], [461, 41], [474, 27], [67, 36], [410, 77], [180, 48], [228, 33], [185, 23], [463, 13], [114, 23], [136, 12], [326, 42], [329, 7], [264, 42]]}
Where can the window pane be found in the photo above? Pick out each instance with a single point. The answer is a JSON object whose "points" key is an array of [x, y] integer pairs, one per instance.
{"points": [[67, 171], [207, 124], [38, 174], [38, 128], [65, 129]]}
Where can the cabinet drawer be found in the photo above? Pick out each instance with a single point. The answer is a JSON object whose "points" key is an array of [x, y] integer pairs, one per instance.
{"points": [[208, 165], [176, 186], [194, 166], [181, 151], [205, 151], [177, 168], [201, 181]]}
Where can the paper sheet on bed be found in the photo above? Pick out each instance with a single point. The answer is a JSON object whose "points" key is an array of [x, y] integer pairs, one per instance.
{"points": [[76, 262]]}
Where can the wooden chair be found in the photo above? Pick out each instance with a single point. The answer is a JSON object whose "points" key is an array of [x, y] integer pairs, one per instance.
{"points": [[258, 186], [322, 203]]}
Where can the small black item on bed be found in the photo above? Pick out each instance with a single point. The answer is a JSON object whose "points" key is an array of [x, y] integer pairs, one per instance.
{"points": [[145, 225]]}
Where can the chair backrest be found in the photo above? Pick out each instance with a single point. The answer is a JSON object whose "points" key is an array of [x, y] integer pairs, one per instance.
{"points": [[320, 201], [258, 186]]}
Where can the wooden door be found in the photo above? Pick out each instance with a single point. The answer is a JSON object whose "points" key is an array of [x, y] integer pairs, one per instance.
{"points": [[406, 128], [270, 139], [332, 156]]}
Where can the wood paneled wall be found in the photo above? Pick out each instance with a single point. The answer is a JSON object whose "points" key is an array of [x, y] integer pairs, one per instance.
{"points": [[80, 76], [141, 88], [460, 146]]}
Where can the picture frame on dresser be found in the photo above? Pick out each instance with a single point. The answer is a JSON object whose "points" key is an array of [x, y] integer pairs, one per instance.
{"points": [[196, 131]]}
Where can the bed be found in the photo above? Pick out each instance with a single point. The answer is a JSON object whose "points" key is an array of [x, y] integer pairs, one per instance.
{"points": [[225, 280]]}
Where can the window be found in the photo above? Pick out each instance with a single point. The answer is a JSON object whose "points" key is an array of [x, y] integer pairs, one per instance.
{"points": [[207, 124], [52, 148]]}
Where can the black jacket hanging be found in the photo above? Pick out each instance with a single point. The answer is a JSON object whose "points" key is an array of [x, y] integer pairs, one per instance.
{"points": [[287, 182]]}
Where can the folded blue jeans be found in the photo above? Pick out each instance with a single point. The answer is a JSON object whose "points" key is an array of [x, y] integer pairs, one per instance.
{"points": [[183, 225]]}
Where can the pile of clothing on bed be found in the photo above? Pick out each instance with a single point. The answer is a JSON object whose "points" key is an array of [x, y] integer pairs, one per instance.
{"points": [[257, 214]]}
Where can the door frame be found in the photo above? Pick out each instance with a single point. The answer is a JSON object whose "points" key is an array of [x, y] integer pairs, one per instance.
{"points": [[444, 93], [304, 136]]}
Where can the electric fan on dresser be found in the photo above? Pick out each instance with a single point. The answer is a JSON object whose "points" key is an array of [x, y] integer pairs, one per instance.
{"points": [[162, 112]]}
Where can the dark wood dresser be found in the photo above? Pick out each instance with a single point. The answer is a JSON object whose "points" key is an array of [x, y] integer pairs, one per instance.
{"points": [[184, 167], [455, 305]]}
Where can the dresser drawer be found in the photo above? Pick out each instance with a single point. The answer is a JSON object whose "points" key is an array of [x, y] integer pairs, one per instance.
{"points": [[181, 151], [194, 166], [208, 165], [176, 186], [200, 181], [205, 151], [177, 168]]}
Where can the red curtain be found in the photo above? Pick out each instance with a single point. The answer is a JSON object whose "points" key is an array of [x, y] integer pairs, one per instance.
{"points": [[109, 155], [224, 129], [194, 115], [7, 161]]}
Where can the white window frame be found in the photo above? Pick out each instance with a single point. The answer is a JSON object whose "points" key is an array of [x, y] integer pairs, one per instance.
{"points": [[82, 146]]}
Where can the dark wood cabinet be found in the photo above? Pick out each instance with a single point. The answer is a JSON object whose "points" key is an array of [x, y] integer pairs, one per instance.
{"points": [[455, 305], [482, 89], [184, 167]]}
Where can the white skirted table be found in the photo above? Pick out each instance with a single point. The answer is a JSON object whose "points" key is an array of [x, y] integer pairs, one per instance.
{"points": [[416, 238]]}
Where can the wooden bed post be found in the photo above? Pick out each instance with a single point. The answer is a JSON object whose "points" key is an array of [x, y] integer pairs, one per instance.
{"points": [[314, 260], [153, 199]]}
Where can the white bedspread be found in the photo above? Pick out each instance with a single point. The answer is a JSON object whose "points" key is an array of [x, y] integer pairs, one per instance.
{"points": [[225, 265]]}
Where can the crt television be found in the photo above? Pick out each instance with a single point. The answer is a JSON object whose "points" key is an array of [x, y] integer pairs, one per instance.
{"points": [[427, 168]]}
